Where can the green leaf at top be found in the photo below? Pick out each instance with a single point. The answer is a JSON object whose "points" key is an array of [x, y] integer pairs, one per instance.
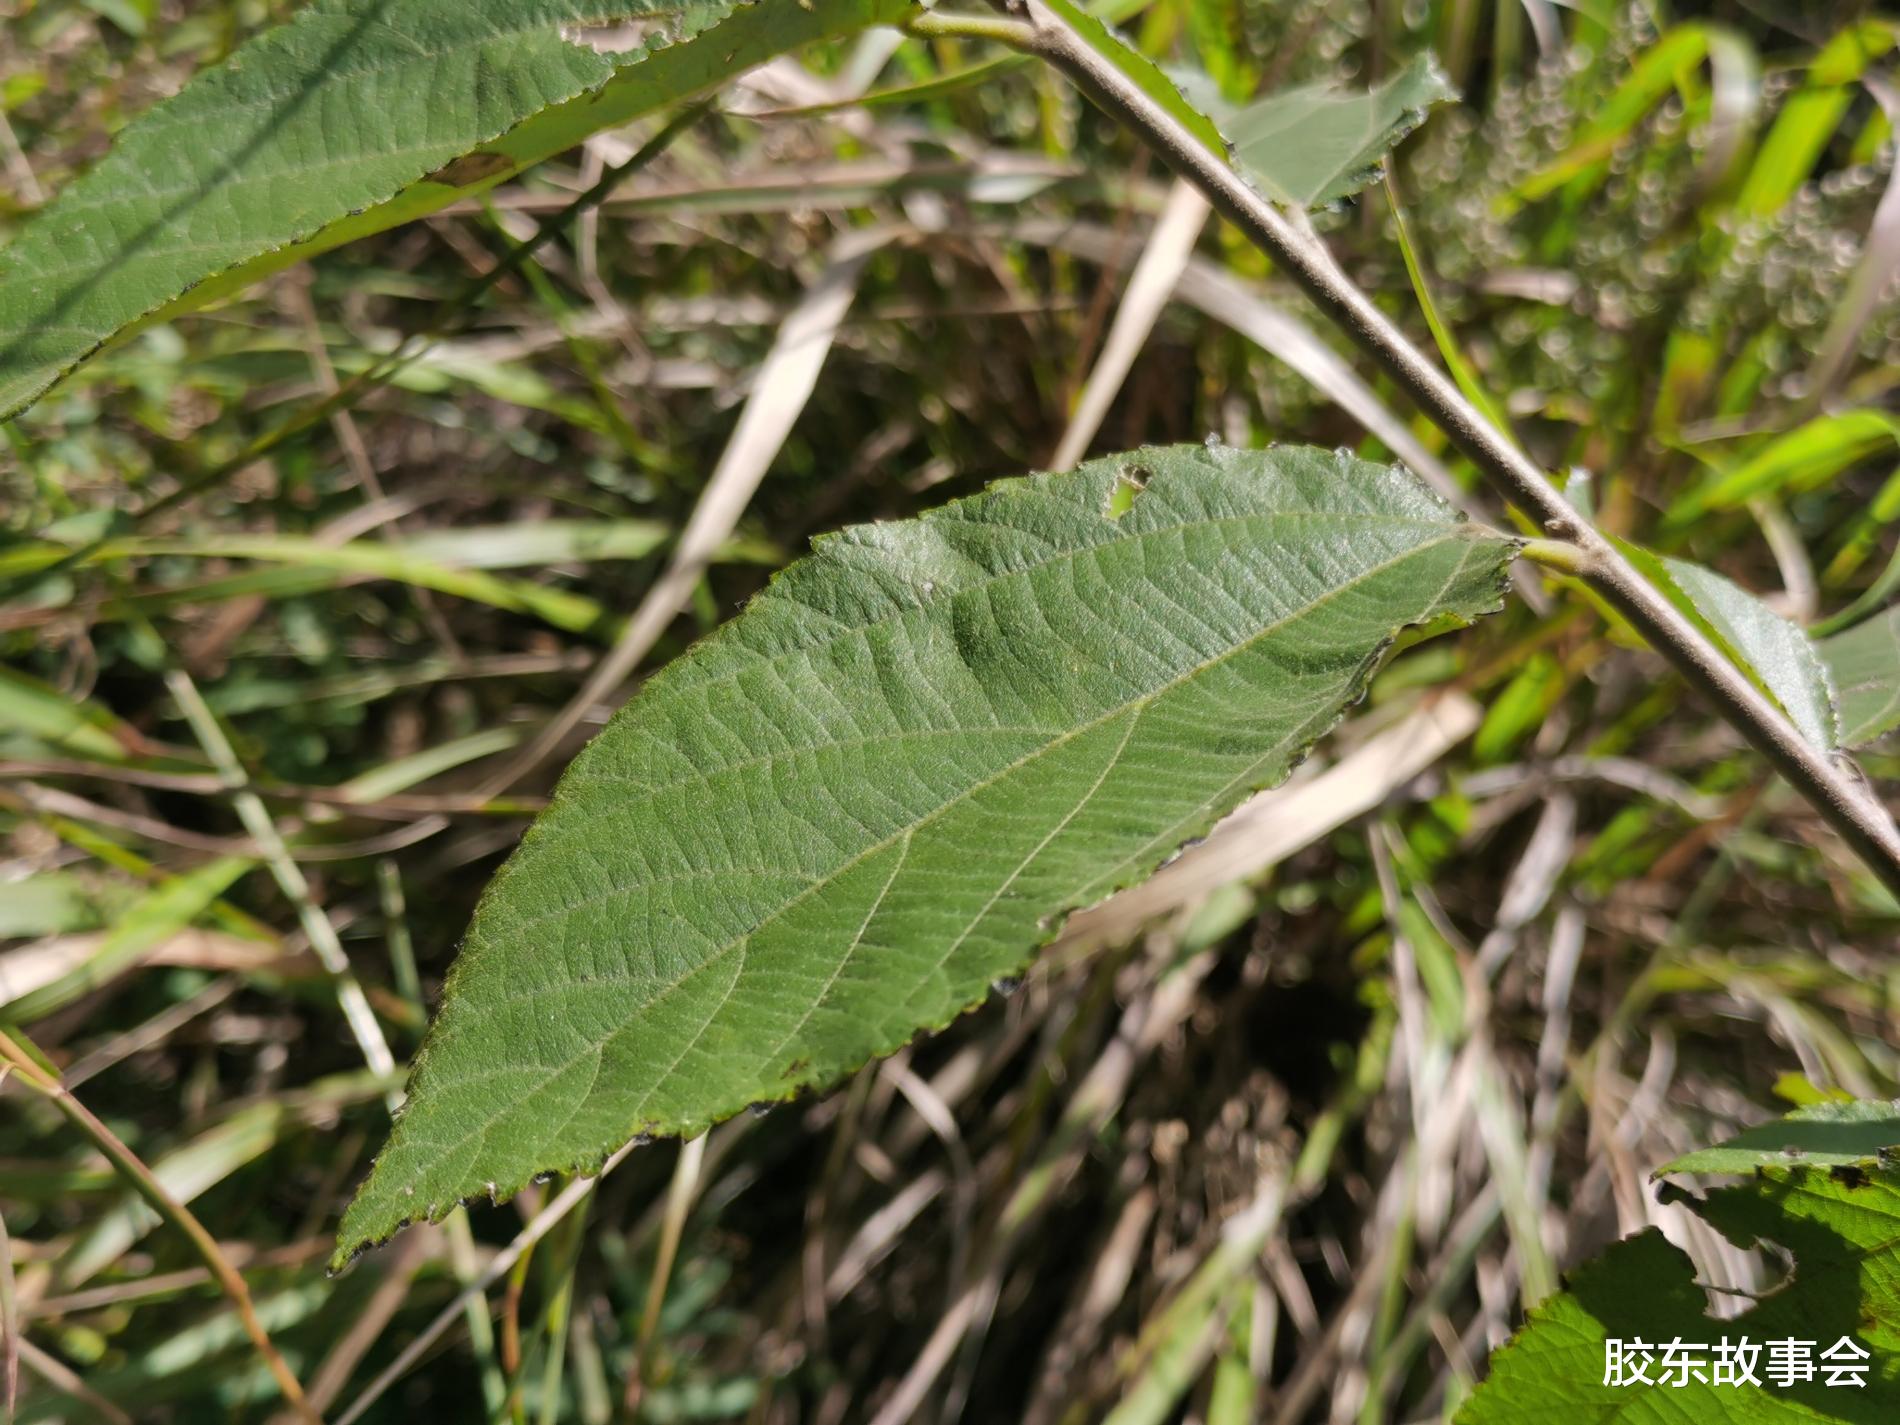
{"points": [[1865, 662], [1837, 1225], [1140, 70], [1320, 143], [1777, 654], [1825, 1135], [353, 117], [879, 789]]}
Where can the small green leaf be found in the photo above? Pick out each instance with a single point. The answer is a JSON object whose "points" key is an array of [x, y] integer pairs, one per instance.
{"points": [[1774, 650], [1319, 143], [354, 117], [883, 786], [1307, 146], [1837, 1224], [1823, 1135], [1865, 663], [1775, 653]]}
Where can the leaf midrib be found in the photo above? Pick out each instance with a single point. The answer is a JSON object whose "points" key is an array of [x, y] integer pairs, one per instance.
{"points": [[883, 621]]}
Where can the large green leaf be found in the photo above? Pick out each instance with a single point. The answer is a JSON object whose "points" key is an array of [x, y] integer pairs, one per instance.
{"points": [[355, 116], [844, 815], [1865, 662]]}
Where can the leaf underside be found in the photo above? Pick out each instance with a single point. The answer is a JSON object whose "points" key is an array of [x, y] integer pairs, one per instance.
{"points": [[1775, 653], [349, 120], [1865, 662], [879, 789]]}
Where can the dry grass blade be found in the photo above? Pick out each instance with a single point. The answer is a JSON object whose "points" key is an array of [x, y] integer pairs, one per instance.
{"points": [[879, 1234], [1163, 259], [65, 1380], [680, 1193], [333, 1372], [1532, 880], [1179, 1339], [45, 962], [1239, 305], [1147, 1021]]}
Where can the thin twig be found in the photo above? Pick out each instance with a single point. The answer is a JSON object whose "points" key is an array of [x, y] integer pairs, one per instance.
{"points": [[1162, 261]]}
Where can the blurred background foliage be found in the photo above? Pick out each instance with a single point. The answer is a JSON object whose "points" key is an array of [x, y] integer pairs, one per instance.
{"points": [[1303, 1146]]}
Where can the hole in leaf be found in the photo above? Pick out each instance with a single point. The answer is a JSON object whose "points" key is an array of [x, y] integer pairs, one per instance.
{"points": [[620, 38], [1130, 481], [471, 168]]}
